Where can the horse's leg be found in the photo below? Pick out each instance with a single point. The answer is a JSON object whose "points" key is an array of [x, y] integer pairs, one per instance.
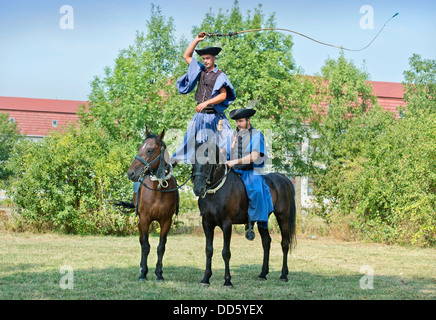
{"points": [[266, 244], [227, 232], [284, 229], [164, 229], [145, 248], [209, 233]]}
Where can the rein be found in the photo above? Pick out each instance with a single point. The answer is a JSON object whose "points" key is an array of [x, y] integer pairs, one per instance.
{"points": [[217, 185]]}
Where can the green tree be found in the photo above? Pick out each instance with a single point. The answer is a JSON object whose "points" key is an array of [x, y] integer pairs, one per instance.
{"points": [[140, 90], [264, 74], [347, 98], [9, 135], [67, 180], [420, 86], [342, 126], [137, 92], [379, 171]]}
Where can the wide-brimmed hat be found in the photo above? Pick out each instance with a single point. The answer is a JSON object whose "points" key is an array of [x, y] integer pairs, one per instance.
{"points": [[208, 50], [241, 113]]}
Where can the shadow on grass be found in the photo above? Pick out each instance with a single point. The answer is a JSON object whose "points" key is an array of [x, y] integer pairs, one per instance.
{"points": [[183, 283]]}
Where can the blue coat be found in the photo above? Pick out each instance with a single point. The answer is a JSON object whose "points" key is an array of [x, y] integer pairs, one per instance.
{"points": [[258, 192], [189, 81], [202, 124]]}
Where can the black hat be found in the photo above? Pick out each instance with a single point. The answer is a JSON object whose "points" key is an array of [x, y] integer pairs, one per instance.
{"points": [[241, 113], [208, 50]]}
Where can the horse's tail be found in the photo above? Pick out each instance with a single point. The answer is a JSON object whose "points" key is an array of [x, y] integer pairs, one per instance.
{"points": [[292, 220], [126, 207]]}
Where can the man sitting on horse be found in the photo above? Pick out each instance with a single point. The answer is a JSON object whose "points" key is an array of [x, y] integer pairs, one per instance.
{"points": [[214, 94], [247, 155]]}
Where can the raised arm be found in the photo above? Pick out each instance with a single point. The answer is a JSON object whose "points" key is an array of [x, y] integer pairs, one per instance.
{"points": [[190, 49]]}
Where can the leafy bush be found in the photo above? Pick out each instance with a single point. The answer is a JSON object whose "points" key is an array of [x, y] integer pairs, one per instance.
{"points": [[9, 135], [392, 187], [68, 180], [399, 182], [380, 172]]}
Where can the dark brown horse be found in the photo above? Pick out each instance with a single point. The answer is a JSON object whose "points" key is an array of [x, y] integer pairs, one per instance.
{"points": [[156, 197], [228, 205]]}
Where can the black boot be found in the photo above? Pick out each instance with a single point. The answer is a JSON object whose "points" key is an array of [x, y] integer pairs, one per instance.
{"points": [[249, 233]]}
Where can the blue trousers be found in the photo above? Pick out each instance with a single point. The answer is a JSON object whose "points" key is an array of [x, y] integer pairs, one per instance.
{"points": [[199, 127], [259, 197]]}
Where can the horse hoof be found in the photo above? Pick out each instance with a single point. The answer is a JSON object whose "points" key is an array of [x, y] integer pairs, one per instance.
{"points": [[228, 286], [250, 235], [204, 284], [160, 280], [142, 279], [261, 278], [285, 279]]}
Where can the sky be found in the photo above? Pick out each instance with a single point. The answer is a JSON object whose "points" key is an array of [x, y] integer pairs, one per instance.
{"points": [[45, 55]]}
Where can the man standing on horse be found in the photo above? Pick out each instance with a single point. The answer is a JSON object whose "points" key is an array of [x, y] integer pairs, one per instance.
{"points": [[214, 94], [247, 155]]}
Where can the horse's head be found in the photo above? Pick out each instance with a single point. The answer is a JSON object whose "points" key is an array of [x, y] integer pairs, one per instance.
{"points": [[206, 161], [148, 157]]}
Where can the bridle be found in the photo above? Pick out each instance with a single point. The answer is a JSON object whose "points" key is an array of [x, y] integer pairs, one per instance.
{"points": [[211, 189], [206, 175], [159, 173], [155, 175]]}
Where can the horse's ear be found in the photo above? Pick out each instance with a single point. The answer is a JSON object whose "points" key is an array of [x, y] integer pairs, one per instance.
{"points": [[162, 134], [147, 132]]}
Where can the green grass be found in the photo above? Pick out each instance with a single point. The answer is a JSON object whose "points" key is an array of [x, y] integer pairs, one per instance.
{"points": [[107, 268]]}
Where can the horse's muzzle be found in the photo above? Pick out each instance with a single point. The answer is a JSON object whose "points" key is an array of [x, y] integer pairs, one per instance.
{"points": [[131, 175], [199, 190]]}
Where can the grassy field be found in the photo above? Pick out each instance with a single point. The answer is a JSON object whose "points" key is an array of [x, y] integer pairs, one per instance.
{"points": [[107, 268]]}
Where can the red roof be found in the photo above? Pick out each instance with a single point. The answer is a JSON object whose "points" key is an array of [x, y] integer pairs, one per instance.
{"points": [[40, 105], [390, 95], [37, 117], [387, 89]]}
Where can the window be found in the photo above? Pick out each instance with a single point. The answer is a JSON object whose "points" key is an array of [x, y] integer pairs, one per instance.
{"points": [[54, 123], [11, 120]]}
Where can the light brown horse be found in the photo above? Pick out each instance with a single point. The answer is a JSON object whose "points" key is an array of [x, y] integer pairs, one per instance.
{"points": [[156, 197]]}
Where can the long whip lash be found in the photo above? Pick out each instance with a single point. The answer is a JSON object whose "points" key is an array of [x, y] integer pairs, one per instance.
{"points": [[230, 34]]}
